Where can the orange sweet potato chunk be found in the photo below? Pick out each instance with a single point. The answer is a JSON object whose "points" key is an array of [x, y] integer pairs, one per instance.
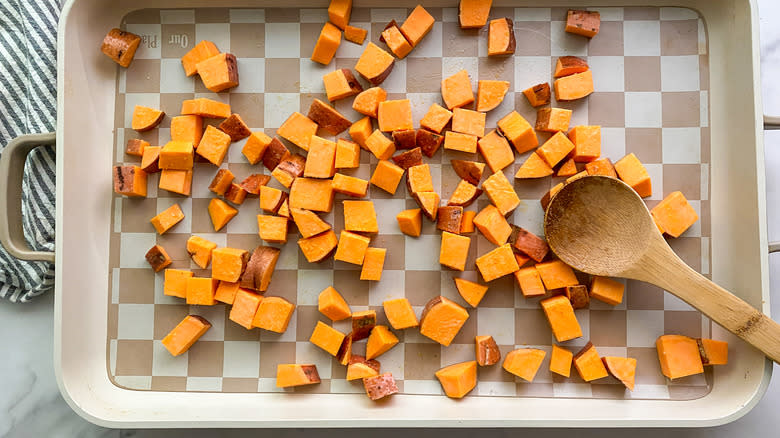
{"points": [[464, 195], [588, 364], [560, 315], [560, 361], [187, 128], [341, 83], [574, 86], [201, 52], [519, 132], [176, 155], [396, 41], [244, 308], [220, 213], [569, 65], [317, 248], [219, 73], [436, 118], [260, 268], [360, 216], [199, 250], [456, 90], [454, 250], [501, 37], [556, 274], [381, 386], [587, 143], [601, 166], [327, 43], [349, 185], [380, 341], [120, 46], [497, 263], [607, 290], [292, 374], [327, 338], [568, 168], [158, 258], [674, 214], [382, 147], [374, 64], [555, 149], [470, 291], [713, 352], [308, 223], [272, 229], [631, 171], [166, 219], [501, 193], [235, 127], [623, 368], [490, 94], [347, 154], [419, 178], [538, 95], [186, 333], [321, 160], [226, 292], [466, 121], [298, 129], [460, 142], [679, 356], [400, 314], [214, 145], [493, 225], [534, 167], [273, 314], [524, 362], [201, 291], [410, 222], [271, 199], [204, 107], [361, 130], [360, 368], [362, 324], [458, 379], [386, 176], [227, 264], [150, 160], [339, 12], [367, 102], [395, 115], [585, 23], [487, 351], [175, 284], [553, 119], [351, 247], [145, 118], [473, 14], [311, 194], [331, 304], [176, 181], [442, 319], [417, 25], [496, 151], [529, 282], [130, 181], [355, 34]]}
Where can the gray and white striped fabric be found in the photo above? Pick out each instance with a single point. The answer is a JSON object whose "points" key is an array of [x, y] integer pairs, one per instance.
{"points": [[28, 97]]}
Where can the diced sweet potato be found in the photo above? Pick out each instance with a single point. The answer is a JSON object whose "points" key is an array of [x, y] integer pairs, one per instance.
{"points": [[253, 182], [360, 216], [235, 127], [341, 83], [175, 284], [465, 193], [150, 161], [588, 364], [607, 290], [400, 314], [361, 130], [201, 52], [679, 356], [467, 224], [429, 203], [490, 94], [291, 167], [349, 185], [560, 361], [200, 250], [574, 86], [454, 250], [380, 341], [374, 64], [120, 46], [497, 263], [271, 199], [360, 368], [176, 155], [327, 338], [327, 43], [166, 219], [308, 223], [382, 147], [244, 307], [449, 219], [466, 121], [396, 41], [204, 107], [529, 282], [554, 150], [347, 154], [227, 264], [273, 314], [470, 291], [417, 25], [456, 90], [429, 142], [380, 386], [130, 181], [418, 179], [601, 166], [556, 274], [186, 333], [367, 102], [529, 244], [632, 172], [501, 193], [496, 151], [568, 168], [538, 95], [578, 296], [201, 291], [458, 379], [311, 194], [187, 128], [518, 131], [176, 181], [145, 118], [410, 222], [298, 129], [226, 292], [386, 176], [674, 215], [622, 368], [236, 194], [317, 248], [214, 145], [284, 210], [218, 73], [355, 34], [362, 324], [501, 37], [321, 161], [260, 268], [339, 12], [351, 247], [468, 170], [331, 304], [524, 362], [436, 118], [272, 229], [713, 352], [473, 14], [487, 351], [395, 115], [585, 23], [158, 258], [553, 119], [492, 224], [587, 143], [442, 319], [460, 142], [405, 139], [255, 147], [569, 65], [560, 315], [408, 159], [292, 374], [135, 146]]}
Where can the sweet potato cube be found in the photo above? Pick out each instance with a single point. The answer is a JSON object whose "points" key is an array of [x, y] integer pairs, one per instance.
{"points": [[622, 368], [255, 146], [272, 229], [200, 250], [360, 368], [679, 356], [553, 119], [519, 132], [201, 52], [493, 225], [587, 143], [220, 213], [176, 155], [501, 193], [578, 296], [290, 168], [355, 34], [219, 72], [327, 338], [176, 181], [150, 160], [379, 341], [501, 37], [464, 195], [253, 182], [631, 171], [386, 176], [136, 146], [460, 142], [395, 115], [209, 108], [292, 374], [470, 171], [524, 362], [226, 292], [362, 324], [298, 129], [554, 150], [130, 181], [214, 145], [120, 46], [442, 319], [308, 223], [574, 86], [382, 147], [400, 314], [347, 154], [556, 274], [473, 14], [341, 83], [538, 95], [588, 364], [339, 12], [260, 268], [568, 168], [327, 43], [145, 118], [320, 163], [244, 308], [458, 379], [419, 179], [487, 351], [361, 130], [352, 247], [456, 90], [490, 93], [227, 264], [429, 142], [436, 118], [454, 250], [466, 121], [561, 317], [349, 185], [185, 334], [396, 41], [380, 386], [175, 284], [529, 282], [221, 181], [674, 214], [713, 352], [167, 218], [429, 203], [410, 158], [417, 25], [534, 167], [569, 65], [467, 224], [373, 263], [317, 248], [201, 291], [271, 199], [331, 304], [235, 127], [284, 210], [367, 102], [311, 194], [158, 258], [585, 23], [607, 290], [410, 222], [360, 216], [470, 291], [601, 166], [374, 64], [497, 263], [560, 361], [449, 218], [273, 314], [529, 244]]}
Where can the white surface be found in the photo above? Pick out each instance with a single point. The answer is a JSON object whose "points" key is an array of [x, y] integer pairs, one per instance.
{"points": [[30, 404]]}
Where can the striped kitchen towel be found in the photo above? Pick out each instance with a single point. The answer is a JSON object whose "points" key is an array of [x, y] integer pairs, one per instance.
{"points": [[28, 99]]}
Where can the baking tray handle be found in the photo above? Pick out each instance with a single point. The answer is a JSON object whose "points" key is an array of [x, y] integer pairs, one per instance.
{"points": [[11, 173], [772, 123]]}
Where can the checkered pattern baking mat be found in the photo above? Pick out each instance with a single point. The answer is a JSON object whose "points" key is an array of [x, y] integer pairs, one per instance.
{"points": [[651, 81]]}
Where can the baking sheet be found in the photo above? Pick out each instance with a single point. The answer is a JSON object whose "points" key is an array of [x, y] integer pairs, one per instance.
{"points": [[650, 72]]}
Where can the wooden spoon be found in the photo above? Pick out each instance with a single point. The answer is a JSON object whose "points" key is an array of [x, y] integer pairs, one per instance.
{"points": [[599, 225]]}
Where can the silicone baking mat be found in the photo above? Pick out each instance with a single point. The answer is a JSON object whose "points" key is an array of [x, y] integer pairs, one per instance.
{"points": [[651, 81]]}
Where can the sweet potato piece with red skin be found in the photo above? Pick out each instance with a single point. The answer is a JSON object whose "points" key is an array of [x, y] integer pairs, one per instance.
{"points": [[568, 65], [585, 23], [468, 170], [327, 118], [362, 324], [465, 194], [158, 258], [221, 182], [487, 351], [235, 127], [429, 142], [219, 73], [136, 146], [473, 14], [380, 386], [294, 165], [405, 139], [235, 194], [578, 295], [260, 268], [538, 95], [130, 181], [345, 351], [528, 243], [274, 154], [146, 119], [410, 158], [368, 70], [449, 219], [498, 44], [150, 161], [120, 46], [253, 182]]}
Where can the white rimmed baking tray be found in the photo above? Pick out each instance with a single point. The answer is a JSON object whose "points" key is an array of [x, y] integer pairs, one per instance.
{"points": [[86, 91]]}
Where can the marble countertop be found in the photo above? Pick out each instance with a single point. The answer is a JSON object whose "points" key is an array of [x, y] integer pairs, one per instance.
{"points": [[31, 405]]}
